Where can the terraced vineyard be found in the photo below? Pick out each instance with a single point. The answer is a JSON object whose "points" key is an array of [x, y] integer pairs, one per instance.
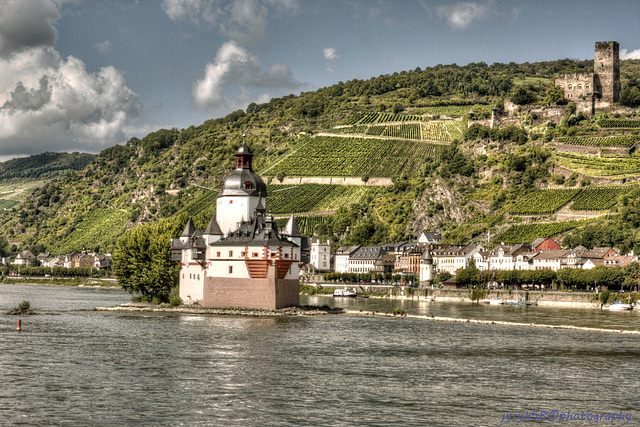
{"points": [[337, 156], [306, 224], [619, 123], [526, 233], [601, 141], [437, 131], [457, 110], [615, 166], [371, 117], [598, 198], [315, 197], [541, 202]]}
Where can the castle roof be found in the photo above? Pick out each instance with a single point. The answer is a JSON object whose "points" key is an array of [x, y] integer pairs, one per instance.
{"points": [[243, 182], [291, 229], [261, 231], [189, 229], [213, 228]]}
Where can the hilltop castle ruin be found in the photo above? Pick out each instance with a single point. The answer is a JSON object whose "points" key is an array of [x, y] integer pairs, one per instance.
{"points": [[597, 90]]}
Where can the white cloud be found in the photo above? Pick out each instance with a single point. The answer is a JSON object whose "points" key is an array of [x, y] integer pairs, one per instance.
{"points": [[25, 24], [48, 102], [242, 20], [625, 54], [460, 15], [103, 47], [330, 55], [235, 68], [51, 103]]}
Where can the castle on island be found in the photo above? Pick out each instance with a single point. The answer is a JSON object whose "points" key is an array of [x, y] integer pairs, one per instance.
{"points": [[241, 259]]}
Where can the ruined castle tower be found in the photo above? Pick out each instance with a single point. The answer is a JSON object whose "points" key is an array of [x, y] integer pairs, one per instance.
{"points": [[606, 68]]}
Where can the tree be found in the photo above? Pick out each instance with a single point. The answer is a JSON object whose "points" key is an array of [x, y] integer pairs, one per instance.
{"points": [[555, 95], [630, 95], [522, 96], [142, 261]]}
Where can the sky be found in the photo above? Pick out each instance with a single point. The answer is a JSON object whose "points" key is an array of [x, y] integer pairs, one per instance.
{"points": [[85, 75]]}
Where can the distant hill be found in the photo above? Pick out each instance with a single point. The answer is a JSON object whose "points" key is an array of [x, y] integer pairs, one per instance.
{"points": [[43, 166], [410, 127]]}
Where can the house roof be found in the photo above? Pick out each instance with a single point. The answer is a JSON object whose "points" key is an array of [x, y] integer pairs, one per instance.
{"points": [[537, 241], [368, 253], [347, 250], [552, 254]]}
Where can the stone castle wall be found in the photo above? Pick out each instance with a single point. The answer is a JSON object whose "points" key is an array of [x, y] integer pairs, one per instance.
{"points": [[269, 293]]}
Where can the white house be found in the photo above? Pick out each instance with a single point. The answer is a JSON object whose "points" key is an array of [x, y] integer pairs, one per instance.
{"points": [[320, 255]]}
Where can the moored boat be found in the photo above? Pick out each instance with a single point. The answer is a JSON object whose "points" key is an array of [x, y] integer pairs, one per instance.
{"points": [[345, 293], [618, 306], [496, 301]]}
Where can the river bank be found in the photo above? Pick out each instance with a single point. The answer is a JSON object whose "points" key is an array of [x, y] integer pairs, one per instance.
{"points": [[588, 300]]}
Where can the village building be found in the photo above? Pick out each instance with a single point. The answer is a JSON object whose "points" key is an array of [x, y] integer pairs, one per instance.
{"points": [[542, 244], [320, 255], [451, 258], [429, 238], [363, 260], [506, 257], [241, 259], [341, 258], [24, 258]]}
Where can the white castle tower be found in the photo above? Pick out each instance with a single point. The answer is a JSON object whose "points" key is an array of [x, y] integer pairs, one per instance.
{"points": [[242, 195]]}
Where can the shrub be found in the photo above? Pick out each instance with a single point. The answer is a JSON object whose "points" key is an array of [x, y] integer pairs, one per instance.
{"points": [[174, 297]]}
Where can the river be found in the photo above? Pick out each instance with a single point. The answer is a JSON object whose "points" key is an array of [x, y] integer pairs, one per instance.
{"points": [[69, 366]]}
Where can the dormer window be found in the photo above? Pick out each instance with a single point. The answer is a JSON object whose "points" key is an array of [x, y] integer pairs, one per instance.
{"points": [[248, 185]]}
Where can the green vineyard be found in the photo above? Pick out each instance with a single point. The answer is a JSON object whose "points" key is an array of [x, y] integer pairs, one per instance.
{"points": [[598, 198], [457, 110], [526, 233], [315, 197], [436, 131], [619, 123], [541, 202], [306, 224], [337, 156], [371, 117], [619, 165], [601, 141]]}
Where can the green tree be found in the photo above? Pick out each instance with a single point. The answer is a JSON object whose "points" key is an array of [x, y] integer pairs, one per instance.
{"points": [[555, 95], [630, 95], [522, 96], [142, 260]]}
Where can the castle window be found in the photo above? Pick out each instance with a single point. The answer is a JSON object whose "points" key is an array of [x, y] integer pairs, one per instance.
{"points": [[579, 86], [230, 254], [230, 269], [230, 202], [586, 86], [218, 254], [254, 254], [286, 255], [570, 87], [242, 254], [248, 185]]}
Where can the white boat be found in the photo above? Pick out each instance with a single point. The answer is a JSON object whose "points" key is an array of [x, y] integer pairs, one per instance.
{"points": [[618, 306], [429, 298], [484, 301], [344, 293], [496, 301]]}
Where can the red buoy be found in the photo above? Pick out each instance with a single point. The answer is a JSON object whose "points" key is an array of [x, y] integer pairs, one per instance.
{"points": [[18, 327]]}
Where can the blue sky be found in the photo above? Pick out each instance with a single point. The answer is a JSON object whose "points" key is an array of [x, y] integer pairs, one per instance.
{"points": [[85, 75]]}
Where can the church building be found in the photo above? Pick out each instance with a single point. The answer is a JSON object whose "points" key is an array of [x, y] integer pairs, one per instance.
{"points": [[241, 259]]}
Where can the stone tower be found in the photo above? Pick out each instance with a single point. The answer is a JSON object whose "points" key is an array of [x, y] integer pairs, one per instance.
{"points": [[606, 68]]}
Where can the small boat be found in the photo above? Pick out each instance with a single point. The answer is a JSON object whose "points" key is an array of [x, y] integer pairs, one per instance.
{"points": [[429, 298], [496, 301], [618, 306], [484, 301], [344, 293]]}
